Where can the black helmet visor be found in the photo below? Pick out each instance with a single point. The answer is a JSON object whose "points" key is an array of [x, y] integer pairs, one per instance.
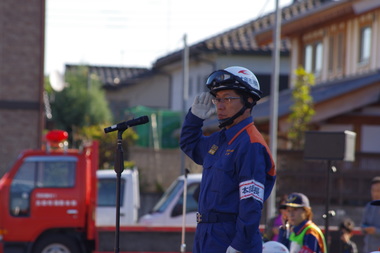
{"points": [[221, 78]]}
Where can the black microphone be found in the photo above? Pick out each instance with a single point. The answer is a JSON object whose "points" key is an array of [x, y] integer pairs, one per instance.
{"points": [[130, 123]]}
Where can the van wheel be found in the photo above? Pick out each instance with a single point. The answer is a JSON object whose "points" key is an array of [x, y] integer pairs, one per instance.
{"points": [[56, 244]]}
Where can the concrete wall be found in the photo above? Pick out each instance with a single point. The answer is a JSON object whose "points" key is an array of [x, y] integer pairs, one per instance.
{"points": [[159, 168]]}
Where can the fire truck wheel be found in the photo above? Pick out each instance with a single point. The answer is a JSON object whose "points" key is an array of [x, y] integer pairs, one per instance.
{"points": [[56, 244]]}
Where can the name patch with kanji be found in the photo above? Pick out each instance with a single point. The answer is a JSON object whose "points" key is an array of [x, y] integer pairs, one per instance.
{"points": [[252, 189]]}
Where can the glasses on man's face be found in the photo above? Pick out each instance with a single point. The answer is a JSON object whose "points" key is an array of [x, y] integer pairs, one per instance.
{"points": [[226, 100]]}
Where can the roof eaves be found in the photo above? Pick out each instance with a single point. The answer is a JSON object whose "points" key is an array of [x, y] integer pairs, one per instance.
{"points": [[320, 93], [236, 40], [292, 15], [110, 75]]}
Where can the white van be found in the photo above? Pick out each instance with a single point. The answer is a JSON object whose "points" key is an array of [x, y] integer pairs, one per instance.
{"points": [[129, 197], [168, 210]]}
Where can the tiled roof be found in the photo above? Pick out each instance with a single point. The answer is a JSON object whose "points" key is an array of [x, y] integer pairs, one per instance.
{"points": [[114, 76], [242, 39], [304, 14]]}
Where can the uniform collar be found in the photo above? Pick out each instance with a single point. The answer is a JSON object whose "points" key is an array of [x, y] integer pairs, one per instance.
{"points": [[234, 130]]}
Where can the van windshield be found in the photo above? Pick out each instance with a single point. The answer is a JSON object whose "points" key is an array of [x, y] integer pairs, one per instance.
{"points": [[168, 197]]}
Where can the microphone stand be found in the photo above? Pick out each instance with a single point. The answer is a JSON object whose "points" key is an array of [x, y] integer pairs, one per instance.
{"points": [[119, 168], [119, 165]]}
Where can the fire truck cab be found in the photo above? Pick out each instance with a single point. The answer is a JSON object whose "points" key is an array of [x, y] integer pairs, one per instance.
{"points": [[48, 200]]}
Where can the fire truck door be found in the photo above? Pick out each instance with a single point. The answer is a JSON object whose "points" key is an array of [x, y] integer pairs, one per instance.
{"points": [[45, 191]]}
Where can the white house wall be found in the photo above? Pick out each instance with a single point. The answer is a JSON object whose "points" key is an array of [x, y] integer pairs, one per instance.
{"points": [[198, 73], [177, 90], [152, 92]]}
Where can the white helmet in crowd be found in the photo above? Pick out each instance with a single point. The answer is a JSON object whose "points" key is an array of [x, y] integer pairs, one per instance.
{"points": [[274, 247], [236, 78]]}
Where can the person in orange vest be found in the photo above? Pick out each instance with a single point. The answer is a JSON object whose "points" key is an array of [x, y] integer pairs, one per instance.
{"points": [[306, 236]]}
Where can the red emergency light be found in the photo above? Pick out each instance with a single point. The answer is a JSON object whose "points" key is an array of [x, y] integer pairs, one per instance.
{"points": [[57, 136], [56, 140]]}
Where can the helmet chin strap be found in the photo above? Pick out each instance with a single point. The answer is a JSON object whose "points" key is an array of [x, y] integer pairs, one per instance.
{"points": [[230, 120]]}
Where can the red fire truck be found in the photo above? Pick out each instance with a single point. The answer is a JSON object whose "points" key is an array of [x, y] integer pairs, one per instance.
{"points": [[48, 200], [49, 197]]}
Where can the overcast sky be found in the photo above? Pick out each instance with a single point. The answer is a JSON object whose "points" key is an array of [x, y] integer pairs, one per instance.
{"points": [[137, 33]]}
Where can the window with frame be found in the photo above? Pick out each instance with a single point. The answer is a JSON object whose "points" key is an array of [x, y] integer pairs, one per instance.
{"points": [[365, 44], [313, 57]]}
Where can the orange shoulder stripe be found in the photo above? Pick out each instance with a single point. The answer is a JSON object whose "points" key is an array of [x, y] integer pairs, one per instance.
{"points": [[256, 137]]}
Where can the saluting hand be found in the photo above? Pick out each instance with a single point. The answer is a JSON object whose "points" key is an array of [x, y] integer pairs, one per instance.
{"points": [[203, 106]]}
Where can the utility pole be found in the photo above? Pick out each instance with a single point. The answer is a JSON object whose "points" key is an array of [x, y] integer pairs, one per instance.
{"points": [[184, 107], [185, 93], [273, 128]]}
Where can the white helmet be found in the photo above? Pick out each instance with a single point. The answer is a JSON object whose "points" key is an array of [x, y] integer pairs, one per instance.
{"points": [[236, 78], [274, 247]]}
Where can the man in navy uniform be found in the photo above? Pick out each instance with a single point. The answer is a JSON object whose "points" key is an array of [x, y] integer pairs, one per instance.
{"points": [[238, 169]]}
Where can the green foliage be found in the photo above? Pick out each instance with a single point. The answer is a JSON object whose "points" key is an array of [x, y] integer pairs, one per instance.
{"points": [[82, 110], [159, 188], [107, 144], [80, 104], [302, 109]]}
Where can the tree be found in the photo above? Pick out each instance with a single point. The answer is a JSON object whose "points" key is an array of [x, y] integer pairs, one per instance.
{"points": [[81, 103], [302, 109], [107, 144], [82, 110]]}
